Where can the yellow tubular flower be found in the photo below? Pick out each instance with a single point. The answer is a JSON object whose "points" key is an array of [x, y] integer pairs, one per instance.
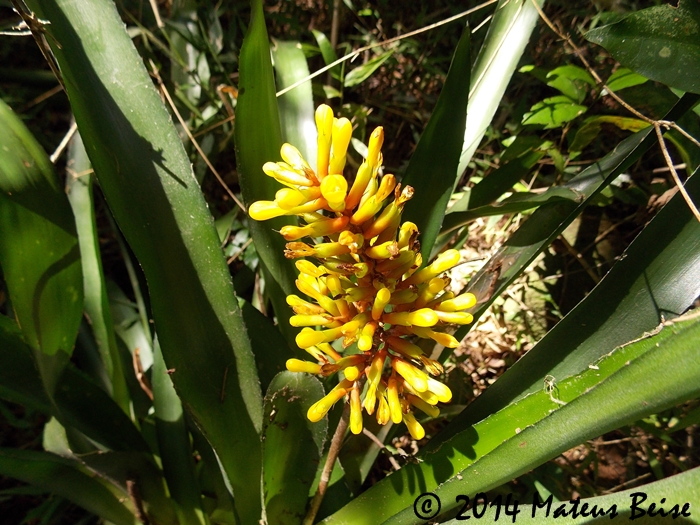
{"points": [[321, 407], [367, 285], [355, 410]]}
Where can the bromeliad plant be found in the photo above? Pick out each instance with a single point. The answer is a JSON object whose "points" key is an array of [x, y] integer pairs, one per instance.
{"points": [[191, 418], [369, 288]]}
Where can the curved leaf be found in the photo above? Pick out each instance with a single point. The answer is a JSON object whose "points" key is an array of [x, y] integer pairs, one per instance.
{"points": [[68, 479], [291, 446], [679, 489], [509, 33], [39, 252], [662, 43], [149, 185], [633, 391], [433, 167], [79, 183]]}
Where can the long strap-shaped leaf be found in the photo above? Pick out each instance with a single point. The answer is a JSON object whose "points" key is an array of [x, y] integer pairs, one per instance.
{"points": [[148, 182], [258, 140], [39, 252], [433, 166], [632, 392], [619, 389], [682, 490]]}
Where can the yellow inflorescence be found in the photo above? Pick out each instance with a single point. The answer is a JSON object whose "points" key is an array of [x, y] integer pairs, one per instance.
{"points": [[367, 288]]}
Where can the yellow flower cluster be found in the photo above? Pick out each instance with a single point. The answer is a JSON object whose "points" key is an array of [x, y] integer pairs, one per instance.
{"points": [[367, 288]]}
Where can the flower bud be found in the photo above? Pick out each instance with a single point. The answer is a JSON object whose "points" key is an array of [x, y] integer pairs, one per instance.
{"points": [[461, 302], [321, 407], [414, 427], [324, 125], [342, 133], [380, 301], [455, 317], [355, 410], [444, 262], [297, 365], [394, 402], [334, 189], [264, 210], [414, 377], [422, 317]]}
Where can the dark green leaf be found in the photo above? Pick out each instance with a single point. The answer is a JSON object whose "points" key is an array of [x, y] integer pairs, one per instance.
{"points": [[148, 182], [572, 81], [291, 446], [258, 140], [620, 394], [68, 479], [39, 252], [662, 43], [433, 166]]}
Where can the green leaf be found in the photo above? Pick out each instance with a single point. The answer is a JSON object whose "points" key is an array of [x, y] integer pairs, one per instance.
{"points": [[518, 159], [296, 107], [174, 444], [572, 81], [291, 446], [327, 51], [631, 391], [78, 403], [79, 182], [662, 43], [509, 33], [549, 221], [148, 182], [517, 203], [39, 252], [614, 391], [553, 112], [363, 72], [433, 167], [68, 479], [593, 125], [258, 140], [624, 78], [679, 489], [658, 277]]}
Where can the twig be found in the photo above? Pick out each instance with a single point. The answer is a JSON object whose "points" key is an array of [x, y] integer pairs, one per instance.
{"points": [[375, 439], [580, 259], [66, 139], [239, 252], [328, 467], [141, 377], [335, 24], [656, 123], [165, 92], [156, 14], [353, 54], [48, 94], [674, 174]]}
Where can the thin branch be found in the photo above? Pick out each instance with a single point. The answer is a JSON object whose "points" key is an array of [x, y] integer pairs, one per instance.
{"points": [[156, 14], [674, 173], [328, 467], [66, 139], [165, 92], [354, 54], [375, 439]]}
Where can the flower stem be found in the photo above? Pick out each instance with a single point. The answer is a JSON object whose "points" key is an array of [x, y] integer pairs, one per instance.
{"points": [[333, 451]]}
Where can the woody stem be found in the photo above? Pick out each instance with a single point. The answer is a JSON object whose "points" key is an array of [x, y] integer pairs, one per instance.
{"points": [[328, 467]]}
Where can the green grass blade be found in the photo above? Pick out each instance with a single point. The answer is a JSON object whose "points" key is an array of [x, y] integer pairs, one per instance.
{"points": [[174, 444], [258, 140], [67, 479], [79, 183], [630, 393], [433, 166], [39, 252], [509, 33], [148, 182], [679, 489], [292, 446], [658, 277], [296, 107]]}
